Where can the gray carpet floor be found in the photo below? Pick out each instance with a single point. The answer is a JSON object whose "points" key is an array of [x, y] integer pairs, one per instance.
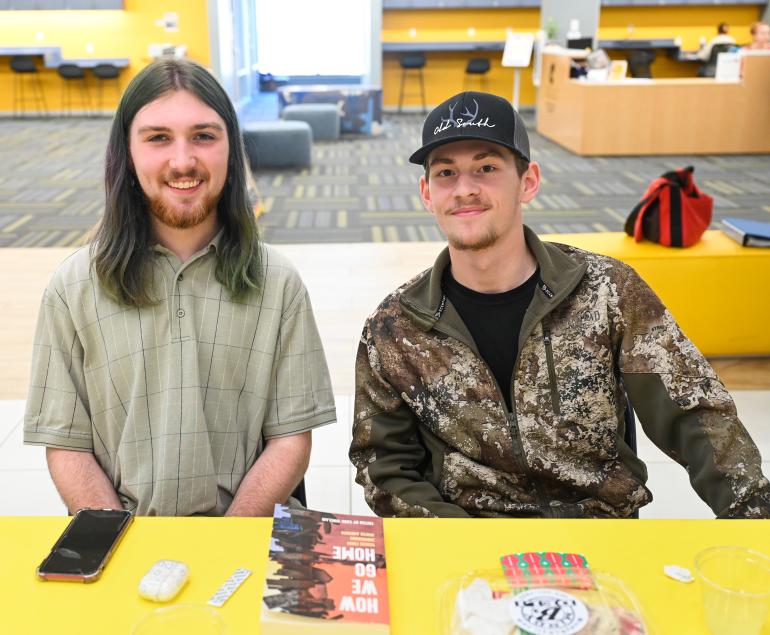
{"points": [[359, 189]]}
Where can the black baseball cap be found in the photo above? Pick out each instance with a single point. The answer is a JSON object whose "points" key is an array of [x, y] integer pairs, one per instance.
{"points": [[473, 115]]}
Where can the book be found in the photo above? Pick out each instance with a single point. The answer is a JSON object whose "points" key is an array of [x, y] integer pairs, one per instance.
{"points": [[325, 573], [749, 233]]}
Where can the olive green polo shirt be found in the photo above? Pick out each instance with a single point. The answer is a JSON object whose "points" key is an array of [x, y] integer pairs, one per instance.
{"points": [[175, 400]]}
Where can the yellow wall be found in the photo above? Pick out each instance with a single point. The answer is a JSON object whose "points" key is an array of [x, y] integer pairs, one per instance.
{"points": [[124, 33], [444, 72], [688, 23]]}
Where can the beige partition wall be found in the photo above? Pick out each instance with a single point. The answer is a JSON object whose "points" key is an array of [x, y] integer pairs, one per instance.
{"points": [[663, 116]]}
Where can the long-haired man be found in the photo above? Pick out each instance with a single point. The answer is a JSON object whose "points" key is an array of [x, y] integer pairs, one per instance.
{"points": [[177, 367]]}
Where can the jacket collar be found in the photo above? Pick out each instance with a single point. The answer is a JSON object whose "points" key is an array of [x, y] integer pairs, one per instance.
{"points": [[424, 300]]}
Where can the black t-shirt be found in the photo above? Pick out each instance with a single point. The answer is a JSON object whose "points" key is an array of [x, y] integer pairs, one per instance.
{"points": [[494, 320]]}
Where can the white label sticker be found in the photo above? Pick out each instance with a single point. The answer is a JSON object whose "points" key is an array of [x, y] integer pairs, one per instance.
{"points": [[678, 573], [548, 612]]}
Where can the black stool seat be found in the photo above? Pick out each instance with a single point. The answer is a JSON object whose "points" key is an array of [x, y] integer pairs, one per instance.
{"points": [[109, 75], [477, 66], [412, 62], [106, 71], [72, 73], [23, 64], [27, 87]]}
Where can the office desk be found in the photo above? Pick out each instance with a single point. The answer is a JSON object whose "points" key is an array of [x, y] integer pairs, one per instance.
{"points": [[421, 553], [628, 45], [52, 57], [465, 45], [658, 116]]}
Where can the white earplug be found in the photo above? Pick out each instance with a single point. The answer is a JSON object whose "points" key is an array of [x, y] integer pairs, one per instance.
{"points": [[164, 580]]}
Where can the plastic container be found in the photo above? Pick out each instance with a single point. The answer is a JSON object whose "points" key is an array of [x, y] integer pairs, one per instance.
{"points": [[736, 589], [486, 602]]}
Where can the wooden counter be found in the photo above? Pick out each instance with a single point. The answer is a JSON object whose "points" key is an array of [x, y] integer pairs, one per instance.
{"points": [[658, 116]]}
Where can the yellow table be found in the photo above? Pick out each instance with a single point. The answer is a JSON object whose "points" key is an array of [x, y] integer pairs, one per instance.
{"points": [[716, 289], [422, 554]]}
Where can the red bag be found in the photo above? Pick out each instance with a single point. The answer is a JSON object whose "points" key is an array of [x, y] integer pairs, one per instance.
{"points": [[672, 212]]}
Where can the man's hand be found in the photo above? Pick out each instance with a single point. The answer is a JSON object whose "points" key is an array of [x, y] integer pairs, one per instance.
{"points": [[277, 471], [80, 480]]}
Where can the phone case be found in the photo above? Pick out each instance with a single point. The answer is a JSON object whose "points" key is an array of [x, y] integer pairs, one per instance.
{"points": [[83, 577]]}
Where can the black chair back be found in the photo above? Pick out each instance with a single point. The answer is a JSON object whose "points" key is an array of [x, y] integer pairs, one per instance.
{"points": [[709, 67], [639, 62], [299, 493], [630, 434]]}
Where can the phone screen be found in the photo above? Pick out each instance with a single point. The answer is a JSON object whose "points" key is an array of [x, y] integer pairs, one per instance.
{"points": [[85, 544]]}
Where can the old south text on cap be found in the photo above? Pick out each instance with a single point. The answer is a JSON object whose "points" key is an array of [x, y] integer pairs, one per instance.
{"points": [[473, 115]]}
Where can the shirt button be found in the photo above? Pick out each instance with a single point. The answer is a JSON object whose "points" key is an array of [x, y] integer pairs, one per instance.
{"points": [[180, 313]]}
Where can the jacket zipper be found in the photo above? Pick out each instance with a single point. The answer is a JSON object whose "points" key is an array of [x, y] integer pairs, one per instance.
{"points": [[513, 427], [516, 445], [551, 369]]}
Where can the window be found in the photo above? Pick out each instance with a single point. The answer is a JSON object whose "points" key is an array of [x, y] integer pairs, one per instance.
{"points": [[313, 37]]}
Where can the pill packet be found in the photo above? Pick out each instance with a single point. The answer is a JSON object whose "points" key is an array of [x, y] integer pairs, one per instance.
{"points": [[535, 600]]}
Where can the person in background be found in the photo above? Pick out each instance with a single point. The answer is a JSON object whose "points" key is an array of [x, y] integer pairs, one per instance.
{"points": [[495, 382], [177, 368], [722, 37], [760, 37]]}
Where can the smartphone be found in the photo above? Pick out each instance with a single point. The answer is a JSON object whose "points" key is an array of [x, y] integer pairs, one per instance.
{"points": [[86, 545]]}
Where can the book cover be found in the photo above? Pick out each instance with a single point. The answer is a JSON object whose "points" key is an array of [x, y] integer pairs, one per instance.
{"points": [[749, 233], [325, 572]]}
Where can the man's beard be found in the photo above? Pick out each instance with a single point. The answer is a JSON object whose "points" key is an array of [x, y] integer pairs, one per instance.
{"points": [[482, 242], [182, 218]]}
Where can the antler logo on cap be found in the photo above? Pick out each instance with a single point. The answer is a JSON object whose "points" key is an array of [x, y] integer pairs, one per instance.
{"points": [[461, 121]]}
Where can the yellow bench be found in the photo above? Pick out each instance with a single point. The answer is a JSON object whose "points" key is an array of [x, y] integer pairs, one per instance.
{"points": [[718, 291]]}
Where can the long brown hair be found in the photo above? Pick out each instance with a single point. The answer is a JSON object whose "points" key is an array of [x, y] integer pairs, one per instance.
{"points": [[120, 251]]}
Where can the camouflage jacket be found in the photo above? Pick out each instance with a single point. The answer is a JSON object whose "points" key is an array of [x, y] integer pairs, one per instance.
{"points": [[432, 435]]}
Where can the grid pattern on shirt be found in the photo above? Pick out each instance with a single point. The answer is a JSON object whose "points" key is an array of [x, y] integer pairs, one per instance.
{"points": [[175, 399]]}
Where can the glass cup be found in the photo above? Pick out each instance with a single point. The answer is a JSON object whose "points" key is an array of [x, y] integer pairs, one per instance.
{"points": [[182, 619], [736, 589]]}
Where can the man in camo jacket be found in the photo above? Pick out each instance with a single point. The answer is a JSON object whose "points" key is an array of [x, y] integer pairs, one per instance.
{"points": [[494, 384]]}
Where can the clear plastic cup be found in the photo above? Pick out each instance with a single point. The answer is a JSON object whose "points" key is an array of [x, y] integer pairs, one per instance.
{"points": [[736, 589], [182, 619]]}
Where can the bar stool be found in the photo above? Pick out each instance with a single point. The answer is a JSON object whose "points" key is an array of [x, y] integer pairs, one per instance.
{"points": [[26, 75], [107, 73], [71, 73], [477, 66], [412, 62]]}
